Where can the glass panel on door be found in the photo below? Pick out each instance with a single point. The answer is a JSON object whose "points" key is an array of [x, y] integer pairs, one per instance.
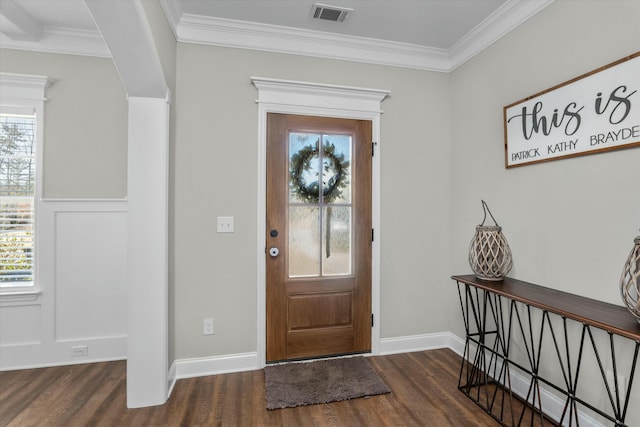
{"points": [[320, 205]]}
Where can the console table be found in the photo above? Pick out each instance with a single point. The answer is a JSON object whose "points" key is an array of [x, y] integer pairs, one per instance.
{"points": [[537, 356]]}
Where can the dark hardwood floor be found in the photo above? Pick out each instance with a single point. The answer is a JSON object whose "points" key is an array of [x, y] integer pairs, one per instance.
{"points": [[423, 384]]}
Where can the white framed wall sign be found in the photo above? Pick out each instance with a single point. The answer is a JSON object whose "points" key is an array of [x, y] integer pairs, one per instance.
{"points": [[597, 111]]}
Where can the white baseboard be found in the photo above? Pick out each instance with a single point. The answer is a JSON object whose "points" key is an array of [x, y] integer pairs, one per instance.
{"points": [[171, 379], [202, 366], [412, 343], [189, 368], [58, 353], [553, 405]]}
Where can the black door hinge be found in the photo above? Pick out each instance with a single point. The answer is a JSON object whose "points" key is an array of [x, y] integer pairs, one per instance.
{"points": [[373, 148], [372, 320], [372, 234]]}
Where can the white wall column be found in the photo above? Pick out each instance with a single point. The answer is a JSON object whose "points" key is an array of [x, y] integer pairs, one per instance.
{"points": [[147, 269], [126, 31]]}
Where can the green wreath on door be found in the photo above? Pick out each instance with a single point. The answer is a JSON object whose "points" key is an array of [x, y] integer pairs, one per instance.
{"points": [[310, 191]]}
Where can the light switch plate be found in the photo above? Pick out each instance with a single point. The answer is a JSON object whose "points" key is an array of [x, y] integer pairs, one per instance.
{"points": [[225, 224], [207, 326]]}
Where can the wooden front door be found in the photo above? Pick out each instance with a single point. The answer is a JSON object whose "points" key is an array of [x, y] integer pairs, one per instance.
{"points": [[318, 225]]}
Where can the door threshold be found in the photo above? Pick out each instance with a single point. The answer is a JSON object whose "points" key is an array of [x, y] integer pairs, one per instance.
{"points": [[314, 358]]}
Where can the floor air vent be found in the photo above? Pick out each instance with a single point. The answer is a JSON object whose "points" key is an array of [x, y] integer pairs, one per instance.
{"points": [[330, 13]]}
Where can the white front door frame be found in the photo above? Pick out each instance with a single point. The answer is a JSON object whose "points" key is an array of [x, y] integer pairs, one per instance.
{"points": [[316, 99]]}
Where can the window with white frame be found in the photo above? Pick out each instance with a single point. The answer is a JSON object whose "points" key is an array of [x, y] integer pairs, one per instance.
{"points": [[21, 117]]}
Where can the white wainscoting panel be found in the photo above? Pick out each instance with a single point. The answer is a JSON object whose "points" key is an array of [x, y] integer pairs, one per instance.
{"points": [[28, 317], [77, 312], [90, 277]]}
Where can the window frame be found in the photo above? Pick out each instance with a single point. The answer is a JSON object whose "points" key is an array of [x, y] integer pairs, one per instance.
{"points": [[25, 94]]}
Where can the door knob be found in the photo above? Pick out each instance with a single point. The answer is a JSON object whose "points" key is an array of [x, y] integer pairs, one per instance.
{"points": [[274, 251]]}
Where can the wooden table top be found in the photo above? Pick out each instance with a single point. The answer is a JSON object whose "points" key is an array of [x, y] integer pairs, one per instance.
{"points": [[606, 316]]}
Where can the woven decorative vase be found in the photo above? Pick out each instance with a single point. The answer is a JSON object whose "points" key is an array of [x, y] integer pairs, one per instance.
{"points": [[489, 252], [630, 281]]}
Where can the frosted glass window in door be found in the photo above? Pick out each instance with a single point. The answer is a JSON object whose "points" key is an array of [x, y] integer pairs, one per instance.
{"points": [[304, 241], [336, 241], [320, 204]]}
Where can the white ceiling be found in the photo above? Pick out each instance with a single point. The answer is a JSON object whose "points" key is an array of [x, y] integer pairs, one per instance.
{"points": [[434, 23], [427, 34]]}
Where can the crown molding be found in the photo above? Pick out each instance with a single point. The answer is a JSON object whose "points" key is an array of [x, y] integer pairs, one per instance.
{"points": [[172, 11], [272, 38], [24, 26], [26, 86], [62, 40], [309, 94], [504, 20]]}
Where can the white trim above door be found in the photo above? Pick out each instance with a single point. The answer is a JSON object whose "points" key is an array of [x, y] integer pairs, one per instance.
{"points": [[316, 99]]}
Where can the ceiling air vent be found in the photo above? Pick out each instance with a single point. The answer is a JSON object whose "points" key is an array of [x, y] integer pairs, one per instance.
{"points": [[329, 13]]}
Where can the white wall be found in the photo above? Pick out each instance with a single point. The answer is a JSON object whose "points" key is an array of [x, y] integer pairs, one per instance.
{"points": [[570, 223], [437, 163], [82, 255], [83, 298], [85, 151], [215, 175]]}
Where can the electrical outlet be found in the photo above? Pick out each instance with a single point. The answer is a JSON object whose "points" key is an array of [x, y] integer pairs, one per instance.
{"points": [[207, 326], [225, 224], [79, 350]]}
